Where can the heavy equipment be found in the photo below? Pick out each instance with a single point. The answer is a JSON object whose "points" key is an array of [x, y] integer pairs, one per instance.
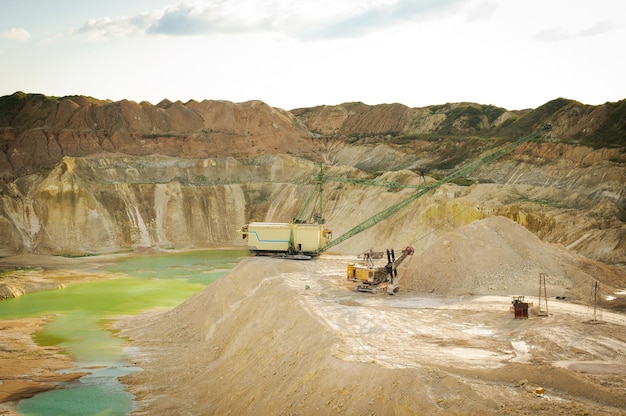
{"points": [[284, 239], [290, 240], [297, 240], [371, 278], [466, 169]]}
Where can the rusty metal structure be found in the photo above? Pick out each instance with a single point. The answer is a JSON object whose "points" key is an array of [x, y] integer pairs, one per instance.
{"points": [[520, 307]]}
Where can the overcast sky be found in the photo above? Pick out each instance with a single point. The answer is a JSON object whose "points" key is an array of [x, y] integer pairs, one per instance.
{"points": [[510, 53]]}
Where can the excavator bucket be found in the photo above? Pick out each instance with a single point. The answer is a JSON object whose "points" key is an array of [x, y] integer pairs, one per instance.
{"points": [[392, 289]]}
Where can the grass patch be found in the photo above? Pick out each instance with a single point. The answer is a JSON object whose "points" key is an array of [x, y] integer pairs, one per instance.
{"points": [[75, 255], [553, 203]]}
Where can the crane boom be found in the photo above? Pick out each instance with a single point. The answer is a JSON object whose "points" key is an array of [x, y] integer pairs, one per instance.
{"points": [[463, 171], [392, 185], [319, 184]]}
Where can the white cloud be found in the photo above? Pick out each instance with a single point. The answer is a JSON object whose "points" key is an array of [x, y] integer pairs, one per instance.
{"points": [[325, 19], [105, 28], [554, 34], [16, 33], [197, 19], [303, 53], [365, 20]]}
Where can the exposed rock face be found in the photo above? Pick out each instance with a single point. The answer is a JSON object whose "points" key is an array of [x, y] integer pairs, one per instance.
{"points": [[36, 132], [94, 205], [356, 119], [105, 204], [80, 175], [571, 120]]}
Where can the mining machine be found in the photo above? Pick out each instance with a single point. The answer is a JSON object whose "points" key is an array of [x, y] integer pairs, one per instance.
{"points": [[466, 169], [300, 239], [372, 278], [296, 240]]}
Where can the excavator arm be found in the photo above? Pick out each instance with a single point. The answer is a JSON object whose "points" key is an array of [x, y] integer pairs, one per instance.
{"points": [[392, 268]]}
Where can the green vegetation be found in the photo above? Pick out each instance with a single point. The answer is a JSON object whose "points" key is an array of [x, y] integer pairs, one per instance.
{"points": [[10, 105], [257, 196], [30, 110], [472, 115], [76, 255], [18, 271], [553, 203], [463, 181], [612, 133], [454, 151], [161, 135], [533, 119], [213, 131]]}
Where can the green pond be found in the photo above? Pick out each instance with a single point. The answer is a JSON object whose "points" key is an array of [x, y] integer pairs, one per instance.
{"points": [[81, 313]]}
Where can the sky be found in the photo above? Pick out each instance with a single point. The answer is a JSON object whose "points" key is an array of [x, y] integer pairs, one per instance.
{"points": [[289, 54]]}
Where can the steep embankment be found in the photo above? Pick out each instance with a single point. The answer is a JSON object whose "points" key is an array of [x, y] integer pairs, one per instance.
{"points": [[36, 131], [599, 126], [106, 204], [81, 175], [96, 205]]}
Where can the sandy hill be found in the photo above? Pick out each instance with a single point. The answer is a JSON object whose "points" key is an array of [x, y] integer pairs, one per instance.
{"points": [[291, 338], [500, 257]]}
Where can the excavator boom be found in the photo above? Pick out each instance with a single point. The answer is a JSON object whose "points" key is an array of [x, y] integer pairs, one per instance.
{"points": [[302, 239], [462, 172]]}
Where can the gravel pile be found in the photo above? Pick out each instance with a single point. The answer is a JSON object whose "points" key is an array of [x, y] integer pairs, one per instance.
{"points": [[494, 256]]}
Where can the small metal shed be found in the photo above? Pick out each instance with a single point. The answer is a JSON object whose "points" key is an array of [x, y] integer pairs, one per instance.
{"points": [[521, 310]]}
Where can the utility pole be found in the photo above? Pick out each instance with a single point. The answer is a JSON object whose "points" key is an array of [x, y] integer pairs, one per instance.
{"points": [[543, 296], [595, 301]]}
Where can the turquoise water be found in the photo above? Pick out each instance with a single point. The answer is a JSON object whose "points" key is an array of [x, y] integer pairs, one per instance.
{"points": [[81, 314]]}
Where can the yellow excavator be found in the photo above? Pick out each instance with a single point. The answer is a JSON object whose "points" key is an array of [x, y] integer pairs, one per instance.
{"points": [[371, 278]]}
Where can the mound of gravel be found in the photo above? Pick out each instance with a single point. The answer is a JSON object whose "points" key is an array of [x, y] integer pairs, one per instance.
{"points": [[494, 256], [284, 337]]}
